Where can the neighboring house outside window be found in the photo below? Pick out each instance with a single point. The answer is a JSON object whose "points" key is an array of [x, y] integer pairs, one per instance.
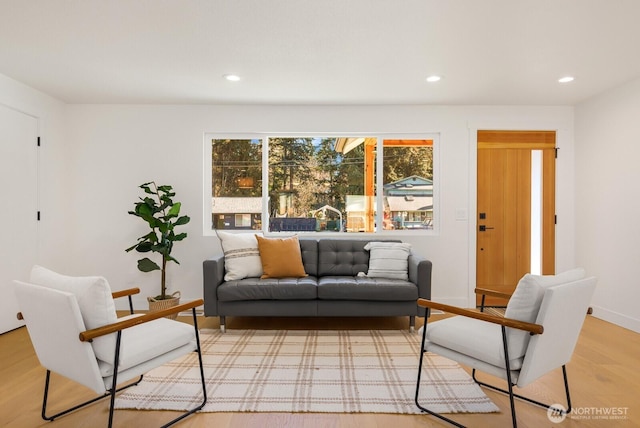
{"points": [[237, 213], [409, 202]]}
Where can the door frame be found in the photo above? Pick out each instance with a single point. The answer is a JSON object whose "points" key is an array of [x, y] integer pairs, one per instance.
{"points": [[564, 192]]}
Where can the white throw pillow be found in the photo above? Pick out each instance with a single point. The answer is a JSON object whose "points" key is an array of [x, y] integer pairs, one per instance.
{"points": [[241, 255], [388, 260], [94, 300]]}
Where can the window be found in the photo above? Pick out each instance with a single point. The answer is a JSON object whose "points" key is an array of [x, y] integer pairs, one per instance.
{"points": [[236, 179], [320, 184], [408, 184]]}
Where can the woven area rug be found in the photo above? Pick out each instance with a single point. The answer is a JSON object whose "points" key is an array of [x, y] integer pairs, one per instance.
{"points": [[345, 371]]}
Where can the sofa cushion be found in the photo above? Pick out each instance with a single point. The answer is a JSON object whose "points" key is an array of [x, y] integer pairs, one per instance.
{"points": [[388, 260], [281, 257], [365, 288], [268, 289], [241, 255]]}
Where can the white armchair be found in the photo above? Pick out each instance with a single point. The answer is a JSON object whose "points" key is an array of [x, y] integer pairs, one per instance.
{"points": [[538, 334], [75, 332]]}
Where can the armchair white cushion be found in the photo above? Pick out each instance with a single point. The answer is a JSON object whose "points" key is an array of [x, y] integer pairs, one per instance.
{"points": [[93, 294], [147, 341], [525, 302], [95, 301], [476, 338]]}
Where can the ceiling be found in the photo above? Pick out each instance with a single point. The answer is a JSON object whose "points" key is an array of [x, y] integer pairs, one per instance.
{"points": [[320, 52]]}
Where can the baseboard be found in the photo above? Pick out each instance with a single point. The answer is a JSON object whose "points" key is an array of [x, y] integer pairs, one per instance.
{"points": [[617, 318]]}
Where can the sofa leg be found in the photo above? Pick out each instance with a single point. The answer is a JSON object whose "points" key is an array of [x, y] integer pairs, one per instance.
{"points": [[412, 324], [223, 327]]}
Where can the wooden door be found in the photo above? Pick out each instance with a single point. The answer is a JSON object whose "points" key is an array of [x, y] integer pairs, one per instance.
{"points": [[504, 234], [18, 216]]}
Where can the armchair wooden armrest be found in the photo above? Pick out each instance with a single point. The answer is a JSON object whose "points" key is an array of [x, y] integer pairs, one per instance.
{"points": [[88, 335], [493, 293], [506, 322], [125, 293]]}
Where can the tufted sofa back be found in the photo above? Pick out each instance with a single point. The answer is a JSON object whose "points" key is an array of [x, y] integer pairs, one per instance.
{"points": [[309, 250], [335, 257]]}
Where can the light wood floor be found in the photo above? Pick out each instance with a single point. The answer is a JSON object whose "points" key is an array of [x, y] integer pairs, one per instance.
{"points": [[603, 375]]}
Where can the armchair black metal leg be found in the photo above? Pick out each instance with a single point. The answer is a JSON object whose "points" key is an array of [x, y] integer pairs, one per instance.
{"points": [[417, 401], [114, 390], [76, 407], [522, 397], [527, 399], [130, 305], [510, 392], [412, 323], [509, 382], [223, 327], [204, 384], [566, 388], [115, 377]]}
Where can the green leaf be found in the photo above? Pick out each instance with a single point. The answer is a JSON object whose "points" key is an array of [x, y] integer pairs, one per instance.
{"points": [[182, 220], [180, 236], [146, 265], [175, 210], [143, 209], [143, 247]]}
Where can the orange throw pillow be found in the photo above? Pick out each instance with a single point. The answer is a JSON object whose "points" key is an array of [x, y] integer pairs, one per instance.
{"points": [[281, 257]]}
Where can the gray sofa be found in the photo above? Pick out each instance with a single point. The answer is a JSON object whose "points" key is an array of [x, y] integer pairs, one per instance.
{"points": [[331, 289]]}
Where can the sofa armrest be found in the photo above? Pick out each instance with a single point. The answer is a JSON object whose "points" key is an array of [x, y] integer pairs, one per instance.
{"points": [[212, 277], [420, 274]]}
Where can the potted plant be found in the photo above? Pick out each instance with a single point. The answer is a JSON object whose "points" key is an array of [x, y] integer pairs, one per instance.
{"points": [[162, 215]]}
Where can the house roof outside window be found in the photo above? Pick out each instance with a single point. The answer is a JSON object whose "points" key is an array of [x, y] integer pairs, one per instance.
{"points": [[239, 205], [409, 203], [413, 185]]}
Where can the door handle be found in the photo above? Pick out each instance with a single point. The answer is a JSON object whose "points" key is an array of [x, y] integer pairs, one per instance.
{"points": [[483, 228]]}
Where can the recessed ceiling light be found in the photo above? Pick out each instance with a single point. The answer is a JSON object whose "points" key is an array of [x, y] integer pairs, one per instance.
{"points": [[232, 77], [433, 78], [566, 79]]}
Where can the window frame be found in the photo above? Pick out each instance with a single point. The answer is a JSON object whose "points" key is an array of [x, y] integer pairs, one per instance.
{"points": [[264, 138]]}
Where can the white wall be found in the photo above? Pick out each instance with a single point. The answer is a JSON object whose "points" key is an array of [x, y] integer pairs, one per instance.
{"points": [[608, 200], [114, 148]]}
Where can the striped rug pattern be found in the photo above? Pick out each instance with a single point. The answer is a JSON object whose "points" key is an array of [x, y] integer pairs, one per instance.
{"points": [[345, 371]]}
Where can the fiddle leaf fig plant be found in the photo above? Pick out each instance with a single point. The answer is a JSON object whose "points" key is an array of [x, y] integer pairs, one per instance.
{"points": [[162, 215]]}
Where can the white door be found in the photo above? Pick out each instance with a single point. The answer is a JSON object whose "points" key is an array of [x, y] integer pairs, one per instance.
{"points": [[18, 207]]}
